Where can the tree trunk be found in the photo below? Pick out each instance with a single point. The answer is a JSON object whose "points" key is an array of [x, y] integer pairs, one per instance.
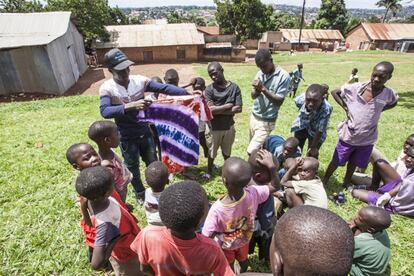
{"points": [[385, 15]]}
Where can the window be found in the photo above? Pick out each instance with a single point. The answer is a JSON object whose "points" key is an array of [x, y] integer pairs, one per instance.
{"points": [[148, 56], [181, 54]]}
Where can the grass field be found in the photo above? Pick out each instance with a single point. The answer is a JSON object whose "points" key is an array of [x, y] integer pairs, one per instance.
{"points": [[39, 230]]}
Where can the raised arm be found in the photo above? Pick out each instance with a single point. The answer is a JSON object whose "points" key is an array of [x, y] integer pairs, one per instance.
{"points": [[266, 159], [153, 86]]}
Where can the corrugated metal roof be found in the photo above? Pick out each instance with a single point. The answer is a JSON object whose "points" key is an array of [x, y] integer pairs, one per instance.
{"points": [[30, 29], [383, 31], [123, 36], [212, 30], [312, 35]]}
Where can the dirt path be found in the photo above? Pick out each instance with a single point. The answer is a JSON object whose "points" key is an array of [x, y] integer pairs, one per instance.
{"points": [[90, 82]]}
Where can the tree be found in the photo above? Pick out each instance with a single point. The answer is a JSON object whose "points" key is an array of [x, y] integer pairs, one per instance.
{"points": [[332, 15], [247, 19], [284, 20], [352, 24], [117, 17], [89, 16], [175, 17], [20, 6], [390, 5], [373, 19]]}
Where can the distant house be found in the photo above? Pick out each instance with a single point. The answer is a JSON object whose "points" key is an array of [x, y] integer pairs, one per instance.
{"points": [[151, 43], [382, 36], [39, 52], [224, 51], [313, 38], [210, 30], [271, 40]]}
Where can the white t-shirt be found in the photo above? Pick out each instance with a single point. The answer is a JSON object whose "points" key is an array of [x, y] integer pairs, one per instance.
{"points": [[312, 192], [151, 207], [120, 95]]}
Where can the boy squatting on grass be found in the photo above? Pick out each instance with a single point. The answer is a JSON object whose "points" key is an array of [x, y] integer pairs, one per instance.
{"points": [[231, 218], [372, 251], [302, 185], [363, 103], [312, 121], [106, 135], [116, 228], [82, 156], [156, 175], [325, 251], [176, 248]]}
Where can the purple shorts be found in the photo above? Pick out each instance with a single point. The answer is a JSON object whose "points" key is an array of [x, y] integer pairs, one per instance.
{"points": [[357, 155], [373, 196]]}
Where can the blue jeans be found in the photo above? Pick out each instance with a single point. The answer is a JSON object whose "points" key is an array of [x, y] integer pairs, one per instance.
{"points": [[131, 151]]}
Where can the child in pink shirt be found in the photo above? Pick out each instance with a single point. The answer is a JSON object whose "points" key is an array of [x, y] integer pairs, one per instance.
{"points": [[231, 218], [176, 248], [106, 135], [363, 104]]}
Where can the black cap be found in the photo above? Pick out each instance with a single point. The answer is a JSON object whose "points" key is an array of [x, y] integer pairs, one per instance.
{"points": [[117, 60]]}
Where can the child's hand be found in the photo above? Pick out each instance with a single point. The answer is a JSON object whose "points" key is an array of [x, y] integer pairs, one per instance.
{"points": [[138, 105], [382, 200], [258, 85], [266, 159]]}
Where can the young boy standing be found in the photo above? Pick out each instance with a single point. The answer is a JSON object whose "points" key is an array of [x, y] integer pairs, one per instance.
{"points": [[176, 248], [372, 251], [121, 98], [115, 227], [354, 77], [297, 76], [270, 88], [224, 99], [231, 218], [312, 121], [363, 104]]}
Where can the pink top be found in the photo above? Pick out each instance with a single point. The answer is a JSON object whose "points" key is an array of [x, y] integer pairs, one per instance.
{"points": [[169, 255], [361, 128], [120, 172], [232, 224]]}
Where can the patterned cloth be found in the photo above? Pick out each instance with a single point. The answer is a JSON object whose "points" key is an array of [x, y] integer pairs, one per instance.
{"points": [[177, 122], [312, 121]]}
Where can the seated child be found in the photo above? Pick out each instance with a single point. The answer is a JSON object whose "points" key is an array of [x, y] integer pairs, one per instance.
{"points": [[231, 218], [106, 135], [312, 121], [372, 251], [282, 149], [82, 156], [156, 175], [176, 248], [115, 227], [305, 188], [327, 250], [354, 77], [396, 195]]}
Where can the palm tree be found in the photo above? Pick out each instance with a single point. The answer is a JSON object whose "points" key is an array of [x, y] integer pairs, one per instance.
{"points": [[389, 5]]}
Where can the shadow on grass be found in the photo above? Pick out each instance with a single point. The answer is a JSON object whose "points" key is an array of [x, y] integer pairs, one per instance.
{"points": [[406, 100]]}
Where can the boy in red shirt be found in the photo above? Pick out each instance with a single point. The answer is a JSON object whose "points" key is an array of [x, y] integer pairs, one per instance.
{"points": [[176, 249], [115, 227]]}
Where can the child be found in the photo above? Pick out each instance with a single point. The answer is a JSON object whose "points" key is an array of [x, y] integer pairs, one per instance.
{"points": [[200, 85], [106, 135], [171, 77], [312, 121], [305, 188], [82, 156], [397, 193], [224, 99], [156, 175], [115, 227], [282, 149], [231, 218], [325, 91], [177, 249], [363, 104], [296, 78], [354, 77], [372, 251], [311, 241]]}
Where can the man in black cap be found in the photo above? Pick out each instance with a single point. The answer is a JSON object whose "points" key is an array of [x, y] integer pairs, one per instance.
{"points": [[121, 98]]}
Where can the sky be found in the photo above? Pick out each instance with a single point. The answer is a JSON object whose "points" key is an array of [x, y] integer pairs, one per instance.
{"points": [[367, 4]]}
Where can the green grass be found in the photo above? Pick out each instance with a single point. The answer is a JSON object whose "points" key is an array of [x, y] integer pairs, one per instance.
{"points": [[40, 232]]}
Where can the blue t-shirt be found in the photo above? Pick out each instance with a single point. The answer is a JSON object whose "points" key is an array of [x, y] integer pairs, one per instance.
{"points": [[274, 144]]}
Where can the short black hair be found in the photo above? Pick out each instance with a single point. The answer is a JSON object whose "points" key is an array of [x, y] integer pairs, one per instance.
{"points": [[263, 55], [214, 64], [315, 241], [292, 141], [379, 219], [156, 175], [72, 150], [101, 129], [171, 73], [316, 88], [387, 65], [237, 172], [355, 70], [157, 79], [181, 205], [94, 183], [200, 81]]}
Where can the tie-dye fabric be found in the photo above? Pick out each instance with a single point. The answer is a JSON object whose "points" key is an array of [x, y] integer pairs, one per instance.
{"points": [[177, 121]]}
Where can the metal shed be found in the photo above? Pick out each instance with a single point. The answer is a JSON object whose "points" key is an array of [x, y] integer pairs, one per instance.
{"points": [[317, 38], [39, 53]]}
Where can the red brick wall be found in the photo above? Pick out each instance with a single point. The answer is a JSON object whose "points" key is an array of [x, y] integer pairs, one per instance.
{"points": [[355, 37]]}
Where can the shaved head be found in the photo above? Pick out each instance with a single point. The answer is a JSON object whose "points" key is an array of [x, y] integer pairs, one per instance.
{"points": [[385, 66], [312, 241], [236, 172], [311, 163], [214, 65], [377, 218], [292, 142]]}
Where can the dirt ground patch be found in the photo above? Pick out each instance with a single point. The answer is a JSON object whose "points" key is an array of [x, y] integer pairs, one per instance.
{"points": [[90, 82]]}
